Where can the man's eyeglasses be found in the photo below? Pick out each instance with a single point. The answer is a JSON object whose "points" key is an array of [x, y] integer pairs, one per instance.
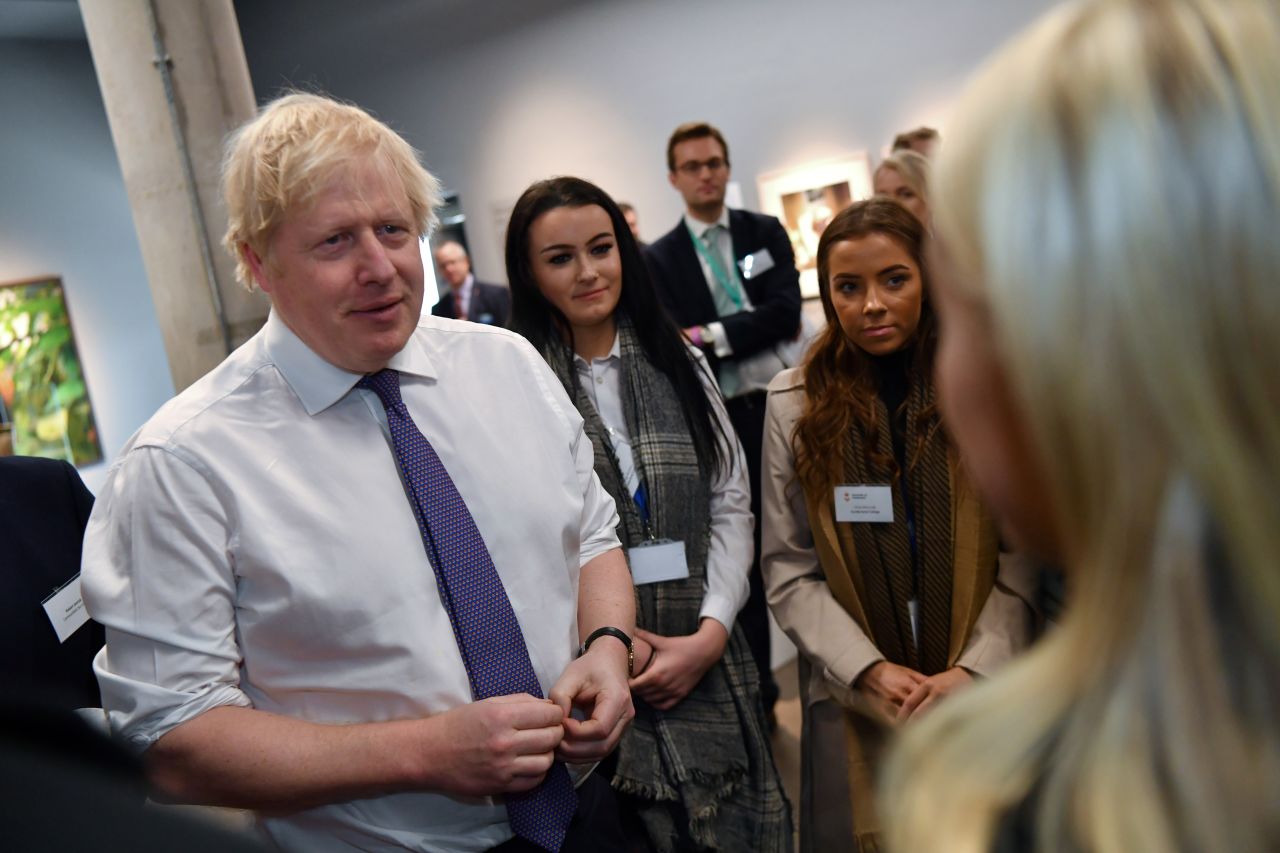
{"points": [[694, 167]]}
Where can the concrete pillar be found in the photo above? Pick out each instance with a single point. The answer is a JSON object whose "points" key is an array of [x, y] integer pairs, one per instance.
{"points": [[175, 81]]}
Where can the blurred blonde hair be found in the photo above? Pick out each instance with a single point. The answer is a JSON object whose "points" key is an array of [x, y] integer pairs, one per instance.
{"points": [[912, 167], [1110, 197], [275, 163], [920, 134]]}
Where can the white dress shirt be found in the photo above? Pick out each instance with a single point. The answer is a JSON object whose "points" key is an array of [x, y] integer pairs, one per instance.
{"points": [[253, 546], [737, 377], [732, 547]]}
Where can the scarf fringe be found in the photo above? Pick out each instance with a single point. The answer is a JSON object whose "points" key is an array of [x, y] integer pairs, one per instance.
{"points": [[701, 821], [720, 785], [658, 792]]}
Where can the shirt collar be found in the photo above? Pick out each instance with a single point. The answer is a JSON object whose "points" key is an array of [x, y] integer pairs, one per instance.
{"points": [[320, 384], [615, 351], [697, 226]]}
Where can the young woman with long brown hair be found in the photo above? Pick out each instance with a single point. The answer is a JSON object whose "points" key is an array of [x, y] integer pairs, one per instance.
{"points": [[880, 562]]}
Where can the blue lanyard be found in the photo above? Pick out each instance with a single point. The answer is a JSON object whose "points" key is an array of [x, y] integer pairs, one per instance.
{"points": [[642, 503], [641, 497]]}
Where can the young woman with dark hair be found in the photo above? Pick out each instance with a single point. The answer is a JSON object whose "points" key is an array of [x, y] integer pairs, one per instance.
{"points": [[880, 563], [695, 770]]}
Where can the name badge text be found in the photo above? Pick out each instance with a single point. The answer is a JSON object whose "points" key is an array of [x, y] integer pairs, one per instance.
{"points": [[864, 503], [65, 609]]}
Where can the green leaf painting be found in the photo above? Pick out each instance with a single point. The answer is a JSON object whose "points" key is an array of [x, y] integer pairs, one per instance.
{"points": [[44, 402]]}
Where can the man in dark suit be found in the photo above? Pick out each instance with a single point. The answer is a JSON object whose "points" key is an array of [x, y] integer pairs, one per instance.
{"points": [[64, 785], [43, 511], [480, 302], [729, 279]]}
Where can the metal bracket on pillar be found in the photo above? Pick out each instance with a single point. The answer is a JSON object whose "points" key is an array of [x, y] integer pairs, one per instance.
{"points": [[163, 62]]}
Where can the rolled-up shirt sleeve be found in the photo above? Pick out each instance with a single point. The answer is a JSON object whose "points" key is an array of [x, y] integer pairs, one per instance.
{"points": [[599, 521], [158, 575]]}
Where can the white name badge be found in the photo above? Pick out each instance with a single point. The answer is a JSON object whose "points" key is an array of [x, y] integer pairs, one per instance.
{"points": [[755, 264], [657, 561], [864, 503], [65, 609]]}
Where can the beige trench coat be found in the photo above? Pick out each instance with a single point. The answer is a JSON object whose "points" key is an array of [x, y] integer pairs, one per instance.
{"points": [[835, 650]]}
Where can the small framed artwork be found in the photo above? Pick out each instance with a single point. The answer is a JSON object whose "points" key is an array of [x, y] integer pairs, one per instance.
{"points": [[44, 401], [805, 199]]}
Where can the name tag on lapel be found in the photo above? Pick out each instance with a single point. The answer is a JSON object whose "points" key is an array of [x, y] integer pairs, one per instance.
{"points": [[864, 503], [755, 264]]}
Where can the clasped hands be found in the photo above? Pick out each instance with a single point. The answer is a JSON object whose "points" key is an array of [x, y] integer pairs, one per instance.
{"points": [[670, 667], [507, 744], [900, 693]]}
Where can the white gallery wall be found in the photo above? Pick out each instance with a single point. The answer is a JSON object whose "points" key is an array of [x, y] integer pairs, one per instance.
{"points": [[64, 212], [595, 88], [519, 90]]}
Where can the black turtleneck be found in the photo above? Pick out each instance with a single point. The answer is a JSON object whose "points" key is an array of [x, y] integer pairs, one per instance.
{"points": [[891, 376]]}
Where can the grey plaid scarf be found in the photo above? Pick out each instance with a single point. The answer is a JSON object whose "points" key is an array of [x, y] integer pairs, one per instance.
{"points": [[702, 772]]}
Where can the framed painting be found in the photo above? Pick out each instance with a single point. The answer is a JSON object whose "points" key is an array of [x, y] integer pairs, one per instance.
{"points": [[44, 401], [806, 198]]}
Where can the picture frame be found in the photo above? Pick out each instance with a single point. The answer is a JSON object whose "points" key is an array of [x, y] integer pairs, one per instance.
{"points": [[805, 198], [45, 408]]}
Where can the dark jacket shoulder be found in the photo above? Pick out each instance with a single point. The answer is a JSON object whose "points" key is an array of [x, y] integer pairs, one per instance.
{"points": [[44, 507]]}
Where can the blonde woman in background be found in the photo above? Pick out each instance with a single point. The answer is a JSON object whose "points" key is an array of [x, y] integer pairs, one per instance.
{"points": [[1107, 211], [904, 177]]}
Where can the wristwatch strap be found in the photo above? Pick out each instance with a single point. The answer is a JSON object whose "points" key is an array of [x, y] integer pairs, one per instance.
{"points": [[618, 633]]}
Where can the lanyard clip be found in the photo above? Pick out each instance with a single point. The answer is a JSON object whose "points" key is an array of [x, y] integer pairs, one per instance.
{"points": [[641, 497]]}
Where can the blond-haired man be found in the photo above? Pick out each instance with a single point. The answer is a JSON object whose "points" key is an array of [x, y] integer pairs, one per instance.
{"points": [[338, 587]]}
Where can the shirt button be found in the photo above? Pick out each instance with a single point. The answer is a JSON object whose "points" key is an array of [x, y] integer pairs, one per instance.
{"points": [[599, 380]]}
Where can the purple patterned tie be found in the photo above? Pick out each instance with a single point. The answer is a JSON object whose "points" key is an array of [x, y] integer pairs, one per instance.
{"points": [[488, 635]]}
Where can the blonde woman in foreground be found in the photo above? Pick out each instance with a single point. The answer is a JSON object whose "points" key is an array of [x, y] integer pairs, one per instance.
{"points": [[1109, 287]]}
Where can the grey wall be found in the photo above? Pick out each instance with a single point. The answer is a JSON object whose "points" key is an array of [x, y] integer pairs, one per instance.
{"points": [[595, 88], [64, 212]]}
